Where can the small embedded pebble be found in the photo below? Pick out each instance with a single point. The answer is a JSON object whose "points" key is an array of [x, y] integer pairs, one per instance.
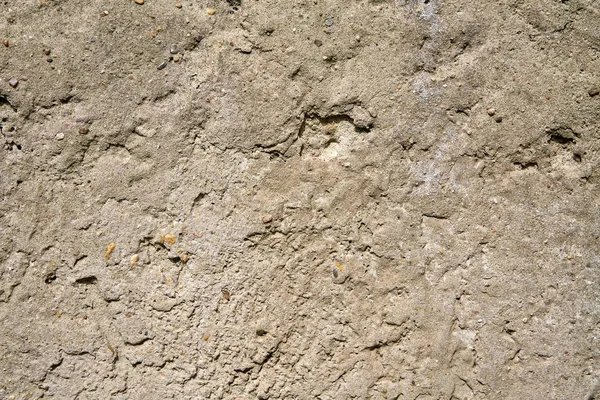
{"points": [[328, 20], [60, 136], [134, 259], [176, 58], [83, 130], [491, 111], [14, 82], [225, 294], [47, 52], [49, 59], [109, 249], [211, 11], [170, 239], [340, 273], [5, 42], [178, 5], [140, 2], [594, 91], [498, 119], [267, 218], [174, 49], [162, 65]]}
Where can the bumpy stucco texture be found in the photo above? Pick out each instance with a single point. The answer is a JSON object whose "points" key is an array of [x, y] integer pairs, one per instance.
{"points": [[300, 199]]}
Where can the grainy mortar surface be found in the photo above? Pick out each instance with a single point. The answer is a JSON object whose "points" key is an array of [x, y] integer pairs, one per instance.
{"points": [[327, 199]]}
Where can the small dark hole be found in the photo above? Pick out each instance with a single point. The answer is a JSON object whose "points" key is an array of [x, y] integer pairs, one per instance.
{"points": [[560, 139], [577, 157], [50, 277], [88, 280], [18, 147], [261, 332]]}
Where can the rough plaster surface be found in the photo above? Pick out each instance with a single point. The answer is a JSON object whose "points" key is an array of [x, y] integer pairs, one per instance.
{"points": [[310, 200]]}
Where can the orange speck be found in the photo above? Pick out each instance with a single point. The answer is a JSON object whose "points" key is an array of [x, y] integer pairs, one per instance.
{"points": [[170, 239], [109, 250]]}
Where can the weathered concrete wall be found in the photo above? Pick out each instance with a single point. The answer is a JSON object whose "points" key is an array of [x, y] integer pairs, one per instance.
{"points": [[299, 199]]}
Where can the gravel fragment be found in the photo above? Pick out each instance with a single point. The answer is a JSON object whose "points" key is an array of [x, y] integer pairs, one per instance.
{"points": [[83, 130], [498, 119], [225, 294], [109, 249], [47, 52], [140, 2], [14, 82], [491, 111], [267, 218], [211, 11], [178, 4], [328, 20], [5, 42], [594, 91], [339, 273], [60, 136], [162, 65], [169, 239], [173, 49]]}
